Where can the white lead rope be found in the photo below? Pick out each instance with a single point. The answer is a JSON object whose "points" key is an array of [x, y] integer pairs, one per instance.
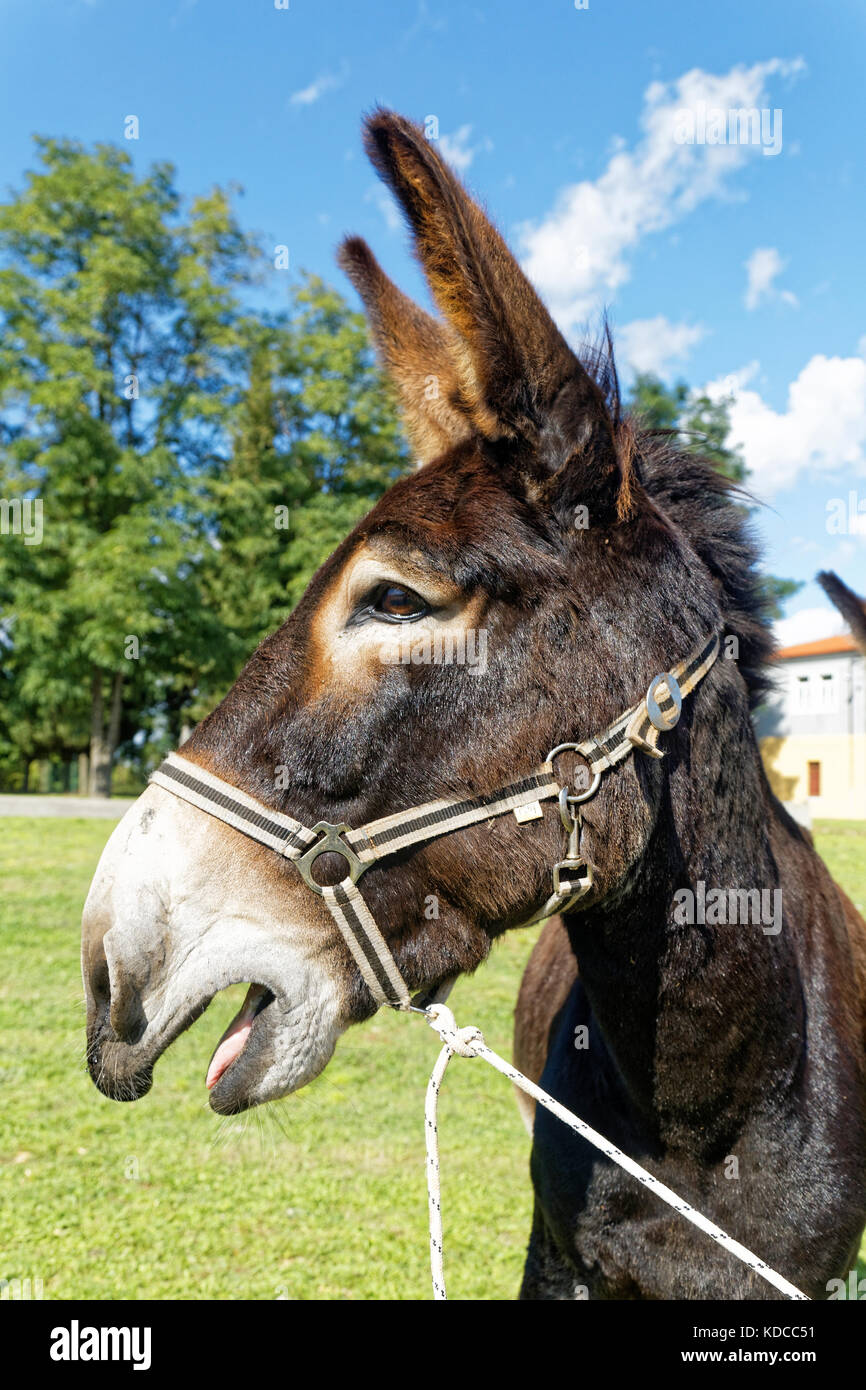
{"points": [[469, 1042]]}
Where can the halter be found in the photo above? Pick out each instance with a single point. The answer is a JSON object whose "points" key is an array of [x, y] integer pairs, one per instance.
{"points": [[638, 728]]}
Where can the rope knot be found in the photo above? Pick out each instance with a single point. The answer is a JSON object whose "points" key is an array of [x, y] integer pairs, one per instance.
{"points": [[464, 1041]]}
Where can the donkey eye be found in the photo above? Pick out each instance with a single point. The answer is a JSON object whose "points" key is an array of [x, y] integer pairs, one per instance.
{"points": [[393, 601]]}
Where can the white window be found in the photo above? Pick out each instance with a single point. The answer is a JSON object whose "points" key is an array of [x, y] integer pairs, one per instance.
{"points": [[802, 695], [828, 686], [815, 694]]}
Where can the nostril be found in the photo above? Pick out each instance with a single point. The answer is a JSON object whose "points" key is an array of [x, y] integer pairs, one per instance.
{"points": [[127, 1016], [118, 1007], [100, 983]]}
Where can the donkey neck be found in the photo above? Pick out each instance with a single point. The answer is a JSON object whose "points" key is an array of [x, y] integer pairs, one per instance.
{"points": [[697, 1017]]}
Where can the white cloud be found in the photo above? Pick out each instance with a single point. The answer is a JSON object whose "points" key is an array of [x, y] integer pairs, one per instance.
{"points": [[651, 345], [386, 205], [822, 430], [579, 254], [326, 83], [762, 268], [457, 149], [809, 625]]}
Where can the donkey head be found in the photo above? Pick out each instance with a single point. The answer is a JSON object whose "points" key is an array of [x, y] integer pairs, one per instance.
{"points": [[516, 591]]}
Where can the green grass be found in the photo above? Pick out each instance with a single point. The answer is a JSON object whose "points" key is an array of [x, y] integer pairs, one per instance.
{"points": [[319, 1197], [842, 846]]}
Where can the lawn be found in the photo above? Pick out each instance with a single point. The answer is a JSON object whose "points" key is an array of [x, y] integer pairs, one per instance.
{"points": [[319, 1197]]}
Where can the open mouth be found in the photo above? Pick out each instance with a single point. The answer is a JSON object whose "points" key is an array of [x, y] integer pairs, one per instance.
{"points": [[234, 1040], [123, 1070]]}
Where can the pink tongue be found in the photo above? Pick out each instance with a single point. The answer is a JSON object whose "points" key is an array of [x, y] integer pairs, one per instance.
{"points": [[232, 1042], [228, 1050]]}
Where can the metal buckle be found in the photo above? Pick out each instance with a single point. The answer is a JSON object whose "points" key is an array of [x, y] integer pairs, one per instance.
{"points": [[555, 902], [584, 880], [330, 843], [569, 817], [659, 720], [572, 861]]}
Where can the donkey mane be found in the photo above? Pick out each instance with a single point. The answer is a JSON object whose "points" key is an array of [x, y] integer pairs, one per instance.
{"points": [[710, 510]]}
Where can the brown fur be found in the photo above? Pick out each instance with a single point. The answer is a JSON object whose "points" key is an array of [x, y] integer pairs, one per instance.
{"points": [[418, 353]]}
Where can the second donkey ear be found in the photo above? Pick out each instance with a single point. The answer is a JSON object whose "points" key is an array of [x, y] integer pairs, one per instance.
{"points": [[850, 605], [418, 354]]}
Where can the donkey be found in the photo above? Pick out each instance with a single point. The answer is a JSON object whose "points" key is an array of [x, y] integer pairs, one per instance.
{"points": [[728, 1060]]}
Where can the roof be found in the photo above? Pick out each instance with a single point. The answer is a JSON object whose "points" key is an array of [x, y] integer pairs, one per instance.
{"points": [[844, 642]]}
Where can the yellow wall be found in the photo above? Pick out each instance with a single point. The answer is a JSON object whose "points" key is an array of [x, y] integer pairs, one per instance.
{"points": [[843, 772]]}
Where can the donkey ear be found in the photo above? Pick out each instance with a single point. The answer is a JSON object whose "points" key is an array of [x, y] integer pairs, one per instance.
{"points": [[416, 351], [513, 359], [852, 608]]}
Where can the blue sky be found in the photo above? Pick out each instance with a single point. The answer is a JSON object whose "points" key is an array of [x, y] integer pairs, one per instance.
{"points": [[719, 262]]}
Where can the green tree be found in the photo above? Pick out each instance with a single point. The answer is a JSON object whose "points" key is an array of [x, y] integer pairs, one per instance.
{"points": [[315, 441], [119, 367], [658, 406]]}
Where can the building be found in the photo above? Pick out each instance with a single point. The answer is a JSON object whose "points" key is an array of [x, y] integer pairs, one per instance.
{"points": [[812, 729]]}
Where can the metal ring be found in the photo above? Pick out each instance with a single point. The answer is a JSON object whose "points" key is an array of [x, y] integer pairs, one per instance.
{"points": [[576, 797], [593, 788], [659, 720], [330, 843], [560, 748]]}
